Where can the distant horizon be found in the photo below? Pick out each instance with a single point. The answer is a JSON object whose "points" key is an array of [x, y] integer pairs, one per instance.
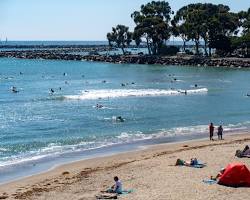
{"points": [[66, 40]]}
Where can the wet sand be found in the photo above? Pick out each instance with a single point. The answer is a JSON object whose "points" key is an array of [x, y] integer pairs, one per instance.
{"points": [[150, 172]]}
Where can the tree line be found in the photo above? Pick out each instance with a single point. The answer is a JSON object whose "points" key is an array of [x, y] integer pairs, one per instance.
{"points": [[215, 25]]}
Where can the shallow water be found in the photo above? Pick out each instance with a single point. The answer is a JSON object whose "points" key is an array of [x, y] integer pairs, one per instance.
{"points": [[36, 125]]}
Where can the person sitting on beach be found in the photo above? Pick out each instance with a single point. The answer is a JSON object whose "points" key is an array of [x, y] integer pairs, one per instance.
{"points": [[117, 187]]}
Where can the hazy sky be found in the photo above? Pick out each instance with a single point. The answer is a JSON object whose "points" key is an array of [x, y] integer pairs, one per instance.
{"points": [[76, 19]]}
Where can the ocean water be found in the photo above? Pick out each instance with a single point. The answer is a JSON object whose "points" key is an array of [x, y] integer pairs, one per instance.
{"points": [[40, 129]]}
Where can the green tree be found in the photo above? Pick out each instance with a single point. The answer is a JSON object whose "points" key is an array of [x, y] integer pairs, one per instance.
{"points": [[221, 43], [245, 19], [120, 37], [204, 21], [242, 43], [189, 16], [221, 24], [181, 30], [152, 24]]}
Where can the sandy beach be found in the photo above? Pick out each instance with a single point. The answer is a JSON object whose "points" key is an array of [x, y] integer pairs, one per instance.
{"points": [[150, 173]]}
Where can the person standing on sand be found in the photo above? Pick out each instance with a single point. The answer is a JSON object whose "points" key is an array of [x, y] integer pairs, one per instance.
{"points": [[220, 131], [211, 131]]}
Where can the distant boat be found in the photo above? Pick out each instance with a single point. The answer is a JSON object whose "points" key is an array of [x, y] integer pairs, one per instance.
{"points": [[6, 40]]}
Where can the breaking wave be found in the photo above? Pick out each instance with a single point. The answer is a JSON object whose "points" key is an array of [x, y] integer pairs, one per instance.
{"points": [[118, 93]]}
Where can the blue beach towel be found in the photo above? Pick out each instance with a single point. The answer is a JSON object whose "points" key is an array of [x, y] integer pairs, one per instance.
{"points": [[123, 192], [127, 191], [199, 164], [209, 181]]}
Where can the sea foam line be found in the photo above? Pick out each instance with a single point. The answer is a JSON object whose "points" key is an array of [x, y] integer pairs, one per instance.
{"points": [[53, 149], [118, 93]]}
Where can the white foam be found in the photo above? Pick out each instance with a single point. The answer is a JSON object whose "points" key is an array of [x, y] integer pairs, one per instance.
{"points": [[54, 149], [119, 93], [3, 149]]}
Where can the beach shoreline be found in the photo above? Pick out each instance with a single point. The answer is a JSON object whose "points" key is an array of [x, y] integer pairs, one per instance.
{"points": [[18, 171], [90, 170]]}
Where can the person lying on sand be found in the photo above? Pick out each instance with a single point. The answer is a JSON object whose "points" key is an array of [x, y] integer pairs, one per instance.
{"points": [[193, 161]]}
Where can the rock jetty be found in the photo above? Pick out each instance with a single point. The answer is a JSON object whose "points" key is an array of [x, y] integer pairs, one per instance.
{"points": [[130, 59]]}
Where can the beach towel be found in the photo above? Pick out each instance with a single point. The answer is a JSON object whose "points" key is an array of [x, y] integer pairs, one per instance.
{"points": [[127, 191], [194, 163], [199, 164], [209, 181], [104, 196], [123, 192]]}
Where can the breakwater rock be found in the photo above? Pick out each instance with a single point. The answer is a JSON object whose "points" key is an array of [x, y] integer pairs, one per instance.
{"points": [[131, 59]]}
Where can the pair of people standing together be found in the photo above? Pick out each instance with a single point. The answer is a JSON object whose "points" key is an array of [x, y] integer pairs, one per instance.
{"points": [[211, 131]]}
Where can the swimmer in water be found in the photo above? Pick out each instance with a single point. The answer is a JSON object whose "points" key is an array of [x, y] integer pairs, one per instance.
{"points": [[119, 119], [52, 91], [14, 90], [99, 106]]}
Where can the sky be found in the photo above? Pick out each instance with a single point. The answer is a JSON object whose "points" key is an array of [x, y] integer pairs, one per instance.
{"points": [[77, 20]]}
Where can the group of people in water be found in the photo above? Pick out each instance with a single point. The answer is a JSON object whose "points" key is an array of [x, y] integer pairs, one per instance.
{"points": [[219, 131]]}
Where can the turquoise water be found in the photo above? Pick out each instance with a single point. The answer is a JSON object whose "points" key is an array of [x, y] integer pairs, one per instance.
{"points": [[36, 125]]}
